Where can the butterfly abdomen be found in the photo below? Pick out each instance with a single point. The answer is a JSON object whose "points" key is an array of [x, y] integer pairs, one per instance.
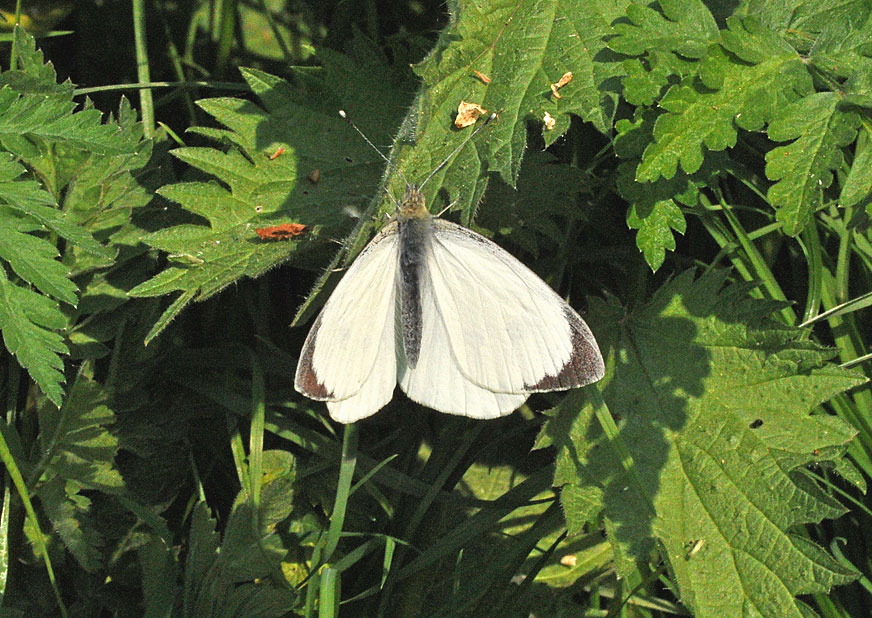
{"points": [[414, 236]]}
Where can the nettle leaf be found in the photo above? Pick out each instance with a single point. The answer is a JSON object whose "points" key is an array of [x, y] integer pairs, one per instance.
{"points": [[742, 82], [804, 168], [28, 322], [715, 406], [523, 47]]}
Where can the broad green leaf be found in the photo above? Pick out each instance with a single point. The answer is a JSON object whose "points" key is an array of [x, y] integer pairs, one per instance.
{"points": [[28, 322], [523, 48], [716, 410], [266, 175], [804, 168], [532, 42]]}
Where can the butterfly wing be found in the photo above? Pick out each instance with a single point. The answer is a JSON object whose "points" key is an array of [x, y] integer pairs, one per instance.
{"points": [[349, 357], [437, 381], [508, 331]]}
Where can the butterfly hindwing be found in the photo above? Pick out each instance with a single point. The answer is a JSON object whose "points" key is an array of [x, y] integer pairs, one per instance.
{"points": [[436, 380]]}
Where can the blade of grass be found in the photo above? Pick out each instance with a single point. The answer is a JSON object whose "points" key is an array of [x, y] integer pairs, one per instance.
{"points": [[23, 492], [759, 269], [327, 544], [255, 439], [328, 602]]}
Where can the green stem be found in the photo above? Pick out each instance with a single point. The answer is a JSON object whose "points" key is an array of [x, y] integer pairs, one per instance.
{"points": [[604, 416], [37, 534], [143, 73]]}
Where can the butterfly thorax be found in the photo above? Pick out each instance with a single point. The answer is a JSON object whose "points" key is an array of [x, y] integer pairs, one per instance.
{"points": [[413, 206]]}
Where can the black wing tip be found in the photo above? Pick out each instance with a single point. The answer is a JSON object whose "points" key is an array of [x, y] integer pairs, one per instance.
{"points": [[585, 365], [306, 381]]}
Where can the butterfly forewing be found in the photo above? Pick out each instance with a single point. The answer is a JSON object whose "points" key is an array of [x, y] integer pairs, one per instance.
{"points": [[350, 351], [508, 332]]}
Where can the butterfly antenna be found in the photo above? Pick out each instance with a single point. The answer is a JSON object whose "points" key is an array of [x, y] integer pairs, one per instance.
{"points": [[390, 165], [460, 147]]}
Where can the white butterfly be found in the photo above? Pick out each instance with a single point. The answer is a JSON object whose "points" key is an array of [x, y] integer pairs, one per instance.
{"points": [[462, 325]]}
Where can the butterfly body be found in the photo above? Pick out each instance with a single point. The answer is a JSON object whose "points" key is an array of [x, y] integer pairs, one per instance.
{"points": [[414, 229]]}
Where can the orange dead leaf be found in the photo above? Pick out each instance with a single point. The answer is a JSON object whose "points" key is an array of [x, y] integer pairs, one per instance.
{"points": [[277, 153], [481, 76], [280, 232], [467, 114], [567, 77], [314, 176]]}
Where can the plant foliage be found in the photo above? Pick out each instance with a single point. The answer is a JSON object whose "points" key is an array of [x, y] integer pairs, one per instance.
{"points": [[697, 184]]}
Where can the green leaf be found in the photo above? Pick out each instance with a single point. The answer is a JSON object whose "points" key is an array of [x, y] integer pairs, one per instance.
{"points": [[655, 225], [69, 513], [264, 176], [655, 206], [241, 575], [716, 409], [685, 27], [33, 259], [50, 118], [27, 197], [523, 47], [75, 441], [743, 82], [28, 321], [804, 168], [857, 186]]}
